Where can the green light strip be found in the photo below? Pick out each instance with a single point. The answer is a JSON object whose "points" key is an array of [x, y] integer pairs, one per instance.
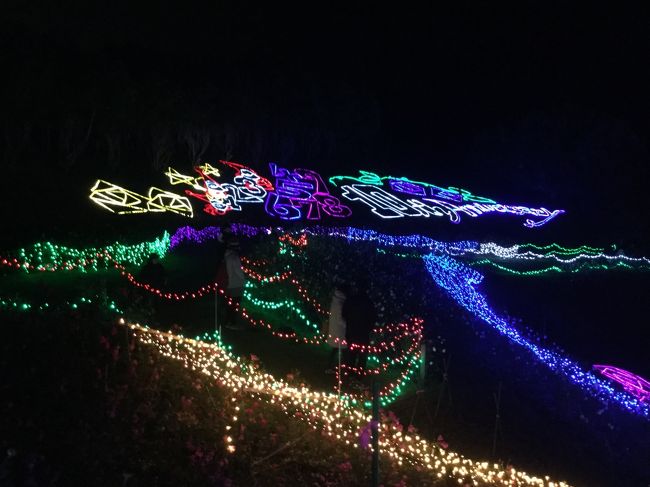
{"points": [[51, 257], [17, 305], [274, 305], [583, 249], [546, 270]]}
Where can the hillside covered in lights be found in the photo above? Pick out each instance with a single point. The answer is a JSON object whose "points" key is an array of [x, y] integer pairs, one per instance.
{"points": [[470, 392]]}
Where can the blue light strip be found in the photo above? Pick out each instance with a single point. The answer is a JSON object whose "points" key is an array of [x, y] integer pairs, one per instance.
{"points": [[461, 282]]}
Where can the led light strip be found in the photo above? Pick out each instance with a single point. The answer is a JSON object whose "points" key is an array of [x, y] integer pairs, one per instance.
{"points": [[17, 305], [423, 243], [287, 275], [403, 329], [339, 419], [585, 266], [51, 257], [461, 282]]}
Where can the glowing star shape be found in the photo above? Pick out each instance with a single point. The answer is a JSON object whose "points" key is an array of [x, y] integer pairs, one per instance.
{"points": [[176, 177], [299, 189], [196, 182], [632, 383], [123, 201]]}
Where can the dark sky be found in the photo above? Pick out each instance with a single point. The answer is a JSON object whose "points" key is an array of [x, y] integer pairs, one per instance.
{"points": [[530, 102]]}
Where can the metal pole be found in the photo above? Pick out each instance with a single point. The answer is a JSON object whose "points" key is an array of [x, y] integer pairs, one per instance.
{"points": [[339, 372], [375, 432], [423, 361], [497, 403], [217, 325]]}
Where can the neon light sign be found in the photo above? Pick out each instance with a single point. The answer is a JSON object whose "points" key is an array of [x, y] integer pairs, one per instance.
{"points": [[423, 199], [110, 196], [416, 188], [299, 189], [247, 187], [632, 383], [302, 193]]}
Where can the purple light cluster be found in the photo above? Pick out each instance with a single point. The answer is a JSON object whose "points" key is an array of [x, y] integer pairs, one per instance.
{"points": [[301, 192], [192, 235], [421, 242], [461, 281], [632, 383]]}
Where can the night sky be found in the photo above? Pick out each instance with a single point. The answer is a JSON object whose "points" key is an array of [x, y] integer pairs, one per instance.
{"points": [[538, 103]]}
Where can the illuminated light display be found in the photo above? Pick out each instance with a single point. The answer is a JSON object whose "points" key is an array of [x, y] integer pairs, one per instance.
{"points": [[476, 209], [302, 193], [382, 203], [382, 239], [176, 177], [190, 234], [50, 257], [287, 275], [16, 305], [461, 248], [513, 253], [409, 360], [556, 248], [222, 197], [243, 172], [387, 205], [586, 266], [342, 419], [399, 331], [433, 200], [632, 383], [388, 338], [461, 282], [160, 201], [301, 190], [47, 257], [415, 188], [122, 201]]}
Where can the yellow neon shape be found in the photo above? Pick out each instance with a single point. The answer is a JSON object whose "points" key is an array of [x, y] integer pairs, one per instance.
{"points": [[208, 170], [176, 177], [161, 200], [110, 196]]}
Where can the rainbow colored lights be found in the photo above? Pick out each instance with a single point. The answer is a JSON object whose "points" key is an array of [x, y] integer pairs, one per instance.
{"points": [[303, 194], [395, 350], [441, 261]]}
